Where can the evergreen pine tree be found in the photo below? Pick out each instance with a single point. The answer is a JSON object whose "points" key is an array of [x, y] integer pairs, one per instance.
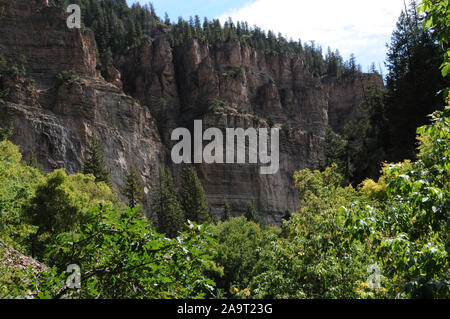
{"points": [[226, 211], [166, 19], [413, 62], [33, 160], [193, 198], [251, 214], [165, 204], [94, 163], [212, 216], [352, 63], [134, 189], [335, 152]]}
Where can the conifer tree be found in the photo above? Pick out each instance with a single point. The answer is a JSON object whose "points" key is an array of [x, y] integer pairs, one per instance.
{"points": [[413, 61], [251, 214], [134, 189], [166, 19], [212, 216], [193, 198], [166, 206], [352, 63], [226, 211], [33, 160], [94, 163]]}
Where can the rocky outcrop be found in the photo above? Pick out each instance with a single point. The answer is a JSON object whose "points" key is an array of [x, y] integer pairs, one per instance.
{"points": [[228, 85], [248, 88], [253, 87], [11, 258], [345, 95], [55, 120]]}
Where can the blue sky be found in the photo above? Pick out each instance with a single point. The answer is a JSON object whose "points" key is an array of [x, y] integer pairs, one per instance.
{"points": [[362, 27], [186, 8]]}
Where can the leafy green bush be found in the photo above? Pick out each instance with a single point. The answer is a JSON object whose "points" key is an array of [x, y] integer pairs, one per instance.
{"points": [[122, 256], [216, 105], [68, 77], [17, 186], [61, 203], [398, 225], [325, 252], [415, 249], [239, 244], [236, 72]]}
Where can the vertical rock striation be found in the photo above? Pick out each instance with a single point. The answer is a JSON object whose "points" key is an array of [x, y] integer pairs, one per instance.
{"points": [[226, 85]]}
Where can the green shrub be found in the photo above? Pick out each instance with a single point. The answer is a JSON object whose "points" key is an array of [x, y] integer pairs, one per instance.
{"points": [[122, 256], [239, 243], [17, 186], [68, 77], [61, 204], [236, 72]]}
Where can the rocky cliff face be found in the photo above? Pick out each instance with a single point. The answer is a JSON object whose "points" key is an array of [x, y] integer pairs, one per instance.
{"points": [[55, 120], [229, 85], [345, 95]]}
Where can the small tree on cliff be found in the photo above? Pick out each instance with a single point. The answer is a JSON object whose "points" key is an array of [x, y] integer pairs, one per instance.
{"points": [[226, 211], [251, 214], [95, 164], [165, 204], [134, 189], [193, 198]]}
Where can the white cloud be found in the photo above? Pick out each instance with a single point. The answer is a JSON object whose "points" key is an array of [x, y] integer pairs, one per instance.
{"points": [[362, 27]]}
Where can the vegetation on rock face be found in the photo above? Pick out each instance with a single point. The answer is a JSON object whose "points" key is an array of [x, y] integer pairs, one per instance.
{"points": [[12, 73], [226, 211], [251, 214], [68, 77], [119, 28]]}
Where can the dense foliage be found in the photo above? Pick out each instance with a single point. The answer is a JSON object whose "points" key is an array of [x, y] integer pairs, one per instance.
{"points": [[119, 28], [64, 220], [385, 238]]}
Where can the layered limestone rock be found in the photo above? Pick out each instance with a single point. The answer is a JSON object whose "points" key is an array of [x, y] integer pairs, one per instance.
{"points": [[253, 87], [55, 120], [345, 95], [250, 88], [226, 85]]}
